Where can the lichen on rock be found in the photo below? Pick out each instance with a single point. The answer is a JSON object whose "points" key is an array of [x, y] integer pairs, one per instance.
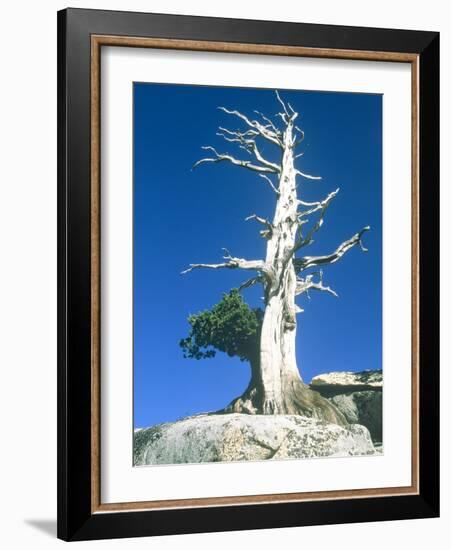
{"points": [[239, 437]]}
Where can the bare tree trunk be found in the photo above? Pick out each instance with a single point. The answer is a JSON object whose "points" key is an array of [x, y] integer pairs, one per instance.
{"points": [[277, 350], [282, 389]]}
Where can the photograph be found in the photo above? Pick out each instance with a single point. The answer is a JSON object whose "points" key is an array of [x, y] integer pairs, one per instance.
{"points": [[257, 274], [248, 273]]}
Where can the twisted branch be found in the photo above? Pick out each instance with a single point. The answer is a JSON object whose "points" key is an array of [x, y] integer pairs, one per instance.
{"points": [[311, 261]]}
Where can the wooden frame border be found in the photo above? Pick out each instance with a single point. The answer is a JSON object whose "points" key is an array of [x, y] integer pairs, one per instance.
{"points": [[81, 34], [157, 43]]}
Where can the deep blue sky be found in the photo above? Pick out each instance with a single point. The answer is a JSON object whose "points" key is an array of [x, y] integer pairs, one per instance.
{"points": [[183, 216]]}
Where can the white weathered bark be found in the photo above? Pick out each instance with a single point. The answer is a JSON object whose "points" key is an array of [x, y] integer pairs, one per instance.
{"points": [[276, 386], [277, 353]]}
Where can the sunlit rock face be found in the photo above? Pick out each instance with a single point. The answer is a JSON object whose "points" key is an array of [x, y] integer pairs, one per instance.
{"points": [[363, 380], [238, 437]]}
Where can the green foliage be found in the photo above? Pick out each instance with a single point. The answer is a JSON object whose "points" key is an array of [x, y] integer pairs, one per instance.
{"points": [[230, 326]]}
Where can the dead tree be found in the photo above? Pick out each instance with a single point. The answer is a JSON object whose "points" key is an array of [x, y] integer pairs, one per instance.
{"points": [[276, 386]]}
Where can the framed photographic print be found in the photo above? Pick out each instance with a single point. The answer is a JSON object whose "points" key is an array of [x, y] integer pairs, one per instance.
{"points": [[248, 274]]}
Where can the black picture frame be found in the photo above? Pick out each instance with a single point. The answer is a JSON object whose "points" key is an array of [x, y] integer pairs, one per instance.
{"points": [[76, 520]]}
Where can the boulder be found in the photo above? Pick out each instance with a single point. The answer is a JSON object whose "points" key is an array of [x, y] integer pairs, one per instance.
{"points": [[358, 395], [340, 382], [238, 437], [362, 407]]}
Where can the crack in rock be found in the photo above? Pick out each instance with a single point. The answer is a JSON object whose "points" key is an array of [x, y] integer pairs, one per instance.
{"points": [[238, 437]]}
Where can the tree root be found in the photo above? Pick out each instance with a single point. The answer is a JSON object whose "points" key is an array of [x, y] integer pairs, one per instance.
{"points": [[298, 399]]}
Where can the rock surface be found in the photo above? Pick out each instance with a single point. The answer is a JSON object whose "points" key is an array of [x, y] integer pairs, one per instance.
{"points": [[352, 381], [358, 395], [362, 407], [236, 437]]}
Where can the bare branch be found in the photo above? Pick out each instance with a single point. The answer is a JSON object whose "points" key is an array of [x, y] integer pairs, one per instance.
{"points": [[265, 233], [251, 282], [306, 284], [220, 157], [279, 99], [268, 179], [243, 143], [291, 109], [237, 133], [284, 118], [270, 123], [263, 131], [244, 140], [231, 263], [288, 115], [298, 140], [249, 145], [275, 167], [263, 221], [304, 203], [322, 206], [308, 176], [311, 261]]}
